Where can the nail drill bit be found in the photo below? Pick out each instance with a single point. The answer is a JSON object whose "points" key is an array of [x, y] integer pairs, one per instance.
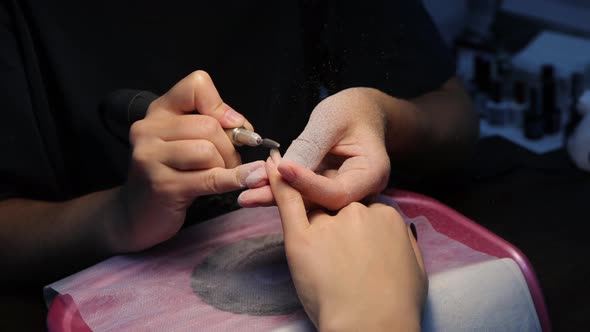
{"points": [[270, 144], [241, 136]]}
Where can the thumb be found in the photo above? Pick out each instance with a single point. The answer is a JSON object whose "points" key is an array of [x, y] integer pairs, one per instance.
{"points": [[197, 92], [218, 179], [323, 130]]}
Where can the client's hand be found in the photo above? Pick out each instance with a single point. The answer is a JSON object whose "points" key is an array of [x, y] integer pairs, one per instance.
{"points": [[358, 270], [178, 156], [340, 157]]}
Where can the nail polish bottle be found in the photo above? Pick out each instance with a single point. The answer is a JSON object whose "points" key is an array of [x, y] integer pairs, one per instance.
{"points": [[551, 113], [518, 104], [533, 118], [498, 110], [482, 81], [576, 89]]}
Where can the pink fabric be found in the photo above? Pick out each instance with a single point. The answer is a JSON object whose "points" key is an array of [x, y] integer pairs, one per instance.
{"points": [[458, 227], [65, 316], [152, 290]]}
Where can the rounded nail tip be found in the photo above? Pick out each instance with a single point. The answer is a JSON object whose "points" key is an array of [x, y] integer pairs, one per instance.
{"points": [[275, 155], [246, 204], [241, 201]]}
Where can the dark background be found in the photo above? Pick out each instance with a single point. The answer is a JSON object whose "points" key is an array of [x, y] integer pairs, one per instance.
{"points": [[538, 202]]}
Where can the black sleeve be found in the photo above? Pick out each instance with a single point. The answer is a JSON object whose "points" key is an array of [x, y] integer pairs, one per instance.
{"points": [[389, 45], [26, 169]]}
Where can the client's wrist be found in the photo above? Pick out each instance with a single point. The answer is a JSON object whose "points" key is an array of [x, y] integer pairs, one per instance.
{"points": [[370, 318]]}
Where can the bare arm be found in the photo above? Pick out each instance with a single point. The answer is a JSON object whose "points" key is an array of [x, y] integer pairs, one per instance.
{"points": [[362, 133], [177, 156], [431, 133], [39, 241]]}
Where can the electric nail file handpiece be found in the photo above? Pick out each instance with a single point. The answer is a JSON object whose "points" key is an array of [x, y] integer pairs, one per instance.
{"points": [[123, 107]]}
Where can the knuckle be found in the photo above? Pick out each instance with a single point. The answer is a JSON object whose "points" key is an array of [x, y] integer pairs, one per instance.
{"points": [[380, 206], [315, 215], [163, 185], [198, 78], [138, 130], [186, 122], [206, 150], [386, 210], [211, 182], [142, 154], [394, 217], [208, 125], [356, 206], [352, 210], [341, 200]]}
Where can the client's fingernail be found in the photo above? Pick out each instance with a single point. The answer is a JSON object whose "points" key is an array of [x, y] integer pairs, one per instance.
{"points": [[242, 201], [257, 178], [276, 156], [244, 171], [413, 229], [233, 117]]}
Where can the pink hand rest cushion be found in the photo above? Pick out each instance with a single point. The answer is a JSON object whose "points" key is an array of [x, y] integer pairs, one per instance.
{"points": [[228, 273]]}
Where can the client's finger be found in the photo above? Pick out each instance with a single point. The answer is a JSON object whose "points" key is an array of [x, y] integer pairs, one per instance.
{"points": [[255, 197], [216, 180], [289, 201]]}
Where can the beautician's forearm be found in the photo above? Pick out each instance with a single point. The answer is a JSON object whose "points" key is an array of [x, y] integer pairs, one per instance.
{"points": [[40, 239], [431, 133]]}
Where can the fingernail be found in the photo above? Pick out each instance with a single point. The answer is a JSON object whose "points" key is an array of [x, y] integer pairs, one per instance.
{"points": [[275, 155], [413, 229], [242, 201], [270, 167], [246, 170], [256, 178], [233, 117]]}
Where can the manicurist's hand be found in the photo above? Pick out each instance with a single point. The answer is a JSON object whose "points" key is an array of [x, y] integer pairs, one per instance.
{"points": [[178, 156], [339, 158], [358, 270]]}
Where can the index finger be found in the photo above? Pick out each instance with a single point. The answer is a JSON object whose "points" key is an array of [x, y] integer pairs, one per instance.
{"points": [[289, 201], [338, 191], [197, 92]]}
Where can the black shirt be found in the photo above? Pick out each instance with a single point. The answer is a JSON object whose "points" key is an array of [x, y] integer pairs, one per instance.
{"points": [[59, 59]]}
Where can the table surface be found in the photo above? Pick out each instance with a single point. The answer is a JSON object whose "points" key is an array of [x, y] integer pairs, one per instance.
{"points": [[539, 203]]}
